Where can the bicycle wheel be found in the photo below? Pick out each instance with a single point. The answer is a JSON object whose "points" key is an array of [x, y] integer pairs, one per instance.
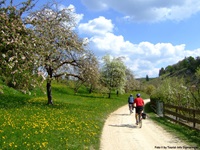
{"points": [[140, 121]]}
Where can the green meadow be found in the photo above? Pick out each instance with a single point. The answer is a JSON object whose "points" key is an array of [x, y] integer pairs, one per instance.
{"points": [[75, 121]]}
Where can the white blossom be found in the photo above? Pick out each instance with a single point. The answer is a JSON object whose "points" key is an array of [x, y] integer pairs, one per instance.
{"points": [[4, 56]]}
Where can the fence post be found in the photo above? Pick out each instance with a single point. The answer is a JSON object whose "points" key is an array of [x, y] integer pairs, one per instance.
{"points": [[159, 108]]}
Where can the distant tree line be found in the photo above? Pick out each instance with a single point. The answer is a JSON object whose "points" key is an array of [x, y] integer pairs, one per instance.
{"points": [[188, 63]]}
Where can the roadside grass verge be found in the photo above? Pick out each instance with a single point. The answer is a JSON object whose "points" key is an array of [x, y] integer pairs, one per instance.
{"points": [[188, 135], [75, 121]]}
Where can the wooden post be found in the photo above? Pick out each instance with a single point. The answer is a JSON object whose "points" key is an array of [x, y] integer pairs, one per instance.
{"points": [[193, 118]]}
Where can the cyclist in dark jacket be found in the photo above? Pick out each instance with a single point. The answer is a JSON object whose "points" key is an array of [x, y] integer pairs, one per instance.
{"points": [[130, 103]]}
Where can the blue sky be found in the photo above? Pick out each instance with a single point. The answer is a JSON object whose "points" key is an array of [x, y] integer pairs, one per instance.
{"points": [[149, 34]]}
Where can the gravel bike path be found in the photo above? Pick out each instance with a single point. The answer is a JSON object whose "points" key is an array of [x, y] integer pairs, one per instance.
{"points": [[121, 133]]}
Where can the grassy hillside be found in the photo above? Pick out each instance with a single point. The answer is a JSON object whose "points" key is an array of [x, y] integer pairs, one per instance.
{"points": [[73, 122]]}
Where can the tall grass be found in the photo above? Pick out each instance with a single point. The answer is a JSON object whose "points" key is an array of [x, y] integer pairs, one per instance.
{"points": [[73, 122]]}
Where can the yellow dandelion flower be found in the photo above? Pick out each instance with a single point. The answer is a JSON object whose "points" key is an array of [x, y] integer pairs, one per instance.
{"points": [[11, 144], [44, 144]]}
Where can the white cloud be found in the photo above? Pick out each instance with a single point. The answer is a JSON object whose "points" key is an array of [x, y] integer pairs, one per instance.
{"points": [[97, 26], [148, 11], [143, 59], [110, 43]]}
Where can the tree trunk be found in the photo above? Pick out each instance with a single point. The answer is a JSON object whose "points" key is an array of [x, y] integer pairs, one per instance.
{"points": [[90, 90], [50, 101], [49, 96], [109, 95]]}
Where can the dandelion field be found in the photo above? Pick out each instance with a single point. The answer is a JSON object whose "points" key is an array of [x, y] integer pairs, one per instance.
{"points": [[73, 122]]}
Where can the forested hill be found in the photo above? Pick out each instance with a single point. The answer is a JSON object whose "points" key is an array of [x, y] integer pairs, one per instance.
{"points": [[185, 68]]}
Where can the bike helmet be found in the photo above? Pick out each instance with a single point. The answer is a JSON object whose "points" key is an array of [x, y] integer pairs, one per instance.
{"points": [[138, 95]]}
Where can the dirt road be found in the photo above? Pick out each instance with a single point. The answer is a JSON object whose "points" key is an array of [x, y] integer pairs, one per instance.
{"points": [[121, 133]]}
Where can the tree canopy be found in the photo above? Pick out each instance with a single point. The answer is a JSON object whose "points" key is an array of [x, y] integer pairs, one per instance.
{"points": [[113, 74], [44, 42], [17, 48], [62, 52]]}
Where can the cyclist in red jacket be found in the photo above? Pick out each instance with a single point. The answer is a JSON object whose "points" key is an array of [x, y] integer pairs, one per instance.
{"points": [[139, 106]]}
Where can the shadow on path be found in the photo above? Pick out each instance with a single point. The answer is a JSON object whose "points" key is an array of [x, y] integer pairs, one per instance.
{"points": [[124, 125], [122, 114]]}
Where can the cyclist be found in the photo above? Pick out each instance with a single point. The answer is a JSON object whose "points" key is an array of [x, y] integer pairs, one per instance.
{"points": [[130, 103], [139, 106]]}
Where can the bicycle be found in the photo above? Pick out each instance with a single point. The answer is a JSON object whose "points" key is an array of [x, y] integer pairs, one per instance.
{"points": [[131, 108]]}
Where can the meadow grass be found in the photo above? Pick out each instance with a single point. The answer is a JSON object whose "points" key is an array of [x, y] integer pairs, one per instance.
{"points": [[75, 121]]}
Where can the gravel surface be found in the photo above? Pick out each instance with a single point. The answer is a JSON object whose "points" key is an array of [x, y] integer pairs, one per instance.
{"points": [[121, 133]]}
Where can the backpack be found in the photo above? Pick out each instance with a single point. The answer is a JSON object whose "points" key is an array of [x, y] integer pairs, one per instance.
{"points": [[144, 115], [130, 99]]}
